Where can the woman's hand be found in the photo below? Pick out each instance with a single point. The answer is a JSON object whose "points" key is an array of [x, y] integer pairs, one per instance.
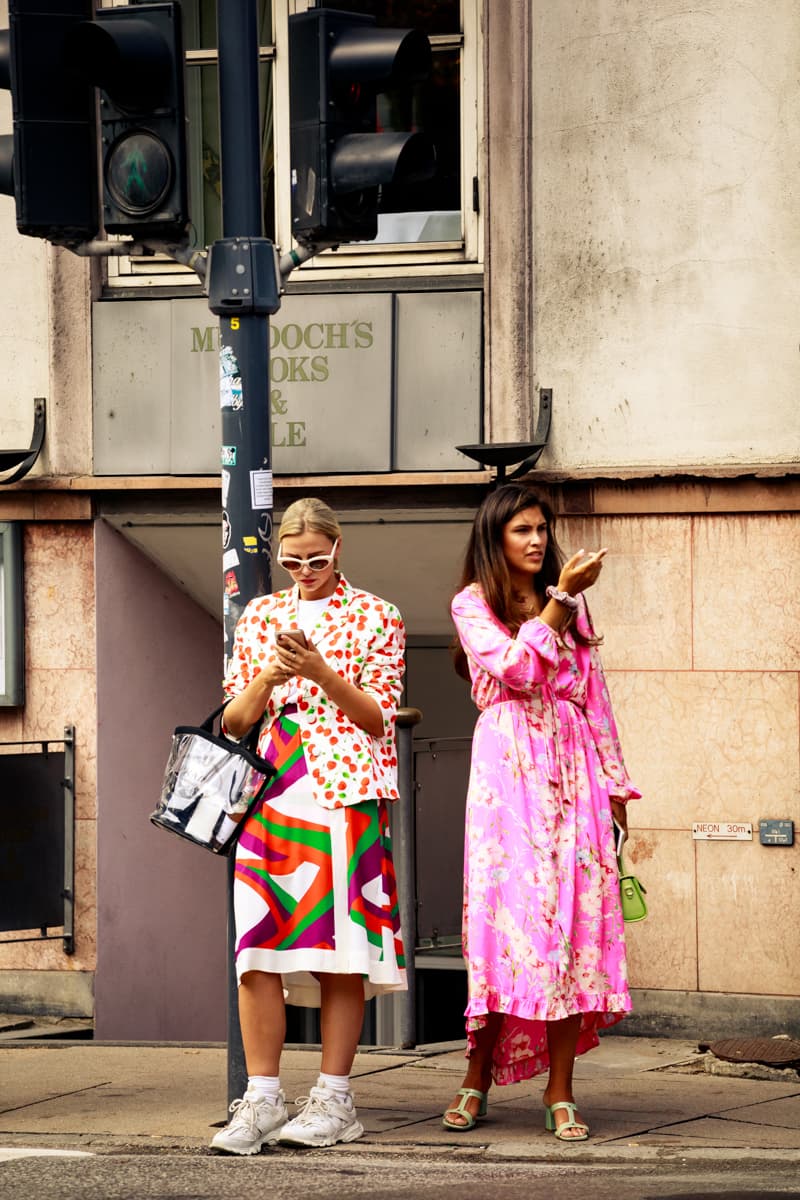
{"points": [[619, 812], [242, 712], [305, 661], [581, 571], [274, 674]]}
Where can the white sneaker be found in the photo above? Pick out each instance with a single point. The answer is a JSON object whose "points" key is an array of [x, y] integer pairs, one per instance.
{"points": [[255, 1122], [323, 1120]]}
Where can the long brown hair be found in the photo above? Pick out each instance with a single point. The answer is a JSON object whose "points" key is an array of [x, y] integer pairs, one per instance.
{"points": [[485, 563]]}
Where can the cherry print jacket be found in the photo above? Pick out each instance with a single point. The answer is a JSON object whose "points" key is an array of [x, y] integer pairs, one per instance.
{"points": [[363, 638]]}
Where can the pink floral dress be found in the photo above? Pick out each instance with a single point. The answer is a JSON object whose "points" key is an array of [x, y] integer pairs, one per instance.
{"points": [[543, 931]]}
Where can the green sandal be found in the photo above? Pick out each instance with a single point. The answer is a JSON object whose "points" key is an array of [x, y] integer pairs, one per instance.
{"points": [[461, 1109], [560, 1131]]}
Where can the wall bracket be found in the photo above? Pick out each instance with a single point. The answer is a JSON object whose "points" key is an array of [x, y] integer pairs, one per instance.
{"points": [[503, 454], [23, 460]]}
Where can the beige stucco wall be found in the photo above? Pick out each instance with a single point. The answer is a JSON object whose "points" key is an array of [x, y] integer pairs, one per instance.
{"points": [[45, 349], [44, 338], [667, 218], [701, 619], [700, 613]]}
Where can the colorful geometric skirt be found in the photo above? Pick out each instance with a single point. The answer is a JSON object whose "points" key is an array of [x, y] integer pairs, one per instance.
{"points": [[314, 888]]}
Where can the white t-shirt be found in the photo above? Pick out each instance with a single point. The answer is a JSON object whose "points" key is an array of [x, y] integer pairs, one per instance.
{"points": [[309, 614]]}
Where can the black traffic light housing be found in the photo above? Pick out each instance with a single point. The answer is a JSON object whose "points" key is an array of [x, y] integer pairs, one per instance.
{"points": [[338, 64], [54, 55], [49, 164], [134, 55]]}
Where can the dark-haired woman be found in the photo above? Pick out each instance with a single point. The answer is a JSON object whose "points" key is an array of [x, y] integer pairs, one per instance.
{"points": [[543, 933]]}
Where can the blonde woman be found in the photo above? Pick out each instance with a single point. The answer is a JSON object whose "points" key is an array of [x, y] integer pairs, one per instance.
{"points": [[320, 666]]}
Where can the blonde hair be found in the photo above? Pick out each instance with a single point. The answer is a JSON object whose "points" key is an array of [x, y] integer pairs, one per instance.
{"points": [[309, 515]]}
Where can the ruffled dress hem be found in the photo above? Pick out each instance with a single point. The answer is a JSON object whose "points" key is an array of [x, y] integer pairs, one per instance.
{"points": [[524, 1030]]}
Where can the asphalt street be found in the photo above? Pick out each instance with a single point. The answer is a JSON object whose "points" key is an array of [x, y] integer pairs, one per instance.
{"points": [[99, 1121], [354, 1174]]}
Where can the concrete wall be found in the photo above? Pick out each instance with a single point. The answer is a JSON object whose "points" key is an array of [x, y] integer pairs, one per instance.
{"points": [[702, 652], [44, 338], [667, 246], [161, 923]]}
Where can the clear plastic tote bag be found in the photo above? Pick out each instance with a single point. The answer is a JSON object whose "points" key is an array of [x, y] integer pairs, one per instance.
{"points": [[210, 786]]}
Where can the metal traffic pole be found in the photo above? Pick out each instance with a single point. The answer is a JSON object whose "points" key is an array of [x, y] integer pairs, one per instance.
{"points": [[404, 842], [243, 290]]}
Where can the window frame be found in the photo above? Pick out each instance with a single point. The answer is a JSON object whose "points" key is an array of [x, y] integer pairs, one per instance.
{"points": [[12, 616], [368, 261]]}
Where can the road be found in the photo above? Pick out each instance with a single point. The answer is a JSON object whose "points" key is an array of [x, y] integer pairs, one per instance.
{"points": [[345, 1175]]}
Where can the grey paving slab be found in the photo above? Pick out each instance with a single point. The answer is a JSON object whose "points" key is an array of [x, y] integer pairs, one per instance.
{"points": [[636, 1094], [623, 1056], [783, 1111], [451, 1060], [614, 1055], [99, 1089], [713, 1131]]}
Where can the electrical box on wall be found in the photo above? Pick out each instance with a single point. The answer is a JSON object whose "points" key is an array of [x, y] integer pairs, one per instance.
{"points": [[776, 833]]}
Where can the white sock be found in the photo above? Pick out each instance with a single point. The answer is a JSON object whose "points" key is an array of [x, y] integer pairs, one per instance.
{"points": [[338, 1084], [266, 1087]]}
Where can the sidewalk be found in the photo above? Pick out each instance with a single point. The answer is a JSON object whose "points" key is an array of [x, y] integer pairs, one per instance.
{"points": [[644, 1098]]}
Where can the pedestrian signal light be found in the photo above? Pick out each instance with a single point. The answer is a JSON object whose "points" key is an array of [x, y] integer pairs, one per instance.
{"points": [[49, 163], [52, 57], [339, 63], [134, 56]]}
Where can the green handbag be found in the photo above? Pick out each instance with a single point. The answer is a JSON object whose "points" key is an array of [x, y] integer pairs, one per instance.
{"points": [[632, 895]]}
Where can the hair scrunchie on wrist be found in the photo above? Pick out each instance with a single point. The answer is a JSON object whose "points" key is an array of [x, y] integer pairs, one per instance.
{"points": [[564, 598]]}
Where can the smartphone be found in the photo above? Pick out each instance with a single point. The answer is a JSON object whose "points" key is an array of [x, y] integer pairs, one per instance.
{"points": [[296, 635], [619, 837]]}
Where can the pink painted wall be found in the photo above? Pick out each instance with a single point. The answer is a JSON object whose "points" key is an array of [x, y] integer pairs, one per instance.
{"points": [[161, 902]]}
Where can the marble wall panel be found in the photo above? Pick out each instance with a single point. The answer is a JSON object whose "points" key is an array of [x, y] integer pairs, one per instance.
{"points": [[748, 918], [59, 596], [662, 950], [709, 746], [641, 602], [58, 698], [38, 955], [747, 592], [10, 728], [60, 690]]}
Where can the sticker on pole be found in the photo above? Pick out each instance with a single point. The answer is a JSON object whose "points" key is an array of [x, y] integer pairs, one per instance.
{"points": [[261, 489], [230, 379]]}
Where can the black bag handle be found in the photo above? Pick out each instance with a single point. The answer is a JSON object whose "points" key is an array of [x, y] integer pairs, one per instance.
{"points": [[248, 743]]}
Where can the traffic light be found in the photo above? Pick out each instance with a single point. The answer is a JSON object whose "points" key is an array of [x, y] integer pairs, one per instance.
{"points": [[134, 55], [54, 55], [49, 164], [339, 63]]}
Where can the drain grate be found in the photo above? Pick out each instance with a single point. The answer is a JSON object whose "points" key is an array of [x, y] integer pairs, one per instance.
{"points": [[772, 1052]]}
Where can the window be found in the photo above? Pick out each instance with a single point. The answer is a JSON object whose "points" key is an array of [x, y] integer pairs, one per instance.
{"points": [[433, 225], [202, 105]]}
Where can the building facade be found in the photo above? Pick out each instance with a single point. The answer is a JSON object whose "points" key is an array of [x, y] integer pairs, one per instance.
{"points": [[616, 219]]}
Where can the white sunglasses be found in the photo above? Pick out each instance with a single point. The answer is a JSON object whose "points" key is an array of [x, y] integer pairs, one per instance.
{"points": [[318, 563]]}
